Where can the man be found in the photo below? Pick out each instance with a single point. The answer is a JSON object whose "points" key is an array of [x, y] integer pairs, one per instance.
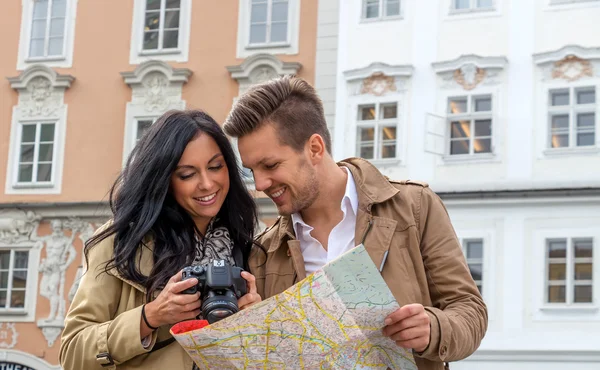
{"points": [[328, 208]]}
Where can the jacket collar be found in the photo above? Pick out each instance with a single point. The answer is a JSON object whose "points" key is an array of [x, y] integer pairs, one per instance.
{"points": [[372, 187]]}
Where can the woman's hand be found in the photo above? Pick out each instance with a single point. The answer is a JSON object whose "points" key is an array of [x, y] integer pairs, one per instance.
{"points": [[252, 296], [172, 306]]}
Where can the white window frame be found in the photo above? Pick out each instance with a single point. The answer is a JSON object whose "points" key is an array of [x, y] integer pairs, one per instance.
{"points": [[571, 110], [464, 243], [472, 7], [382, 9], [377, 124], [573, 2], [136, 126], [561, 311], [181, 54], [245, 49], [34, 174], [26, 314], [65, 60], [471, 116]]}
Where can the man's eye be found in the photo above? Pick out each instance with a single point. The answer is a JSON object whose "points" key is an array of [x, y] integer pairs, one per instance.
{"points": [[271, 166]]}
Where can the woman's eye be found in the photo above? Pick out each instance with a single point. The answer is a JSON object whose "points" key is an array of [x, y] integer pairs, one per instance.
{"points": [[186, 176], [216, 168]]}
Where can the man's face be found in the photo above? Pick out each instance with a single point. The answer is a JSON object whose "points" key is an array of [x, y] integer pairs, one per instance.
{"points": [[285, 175]]}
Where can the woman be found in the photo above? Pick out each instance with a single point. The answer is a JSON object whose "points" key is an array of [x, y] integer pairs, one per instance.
{"points": [[179, 201]]}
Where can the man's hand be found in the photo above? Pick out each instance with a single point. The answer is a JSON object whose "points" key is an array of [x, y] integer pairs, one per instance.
{"points": [[409, 327]]}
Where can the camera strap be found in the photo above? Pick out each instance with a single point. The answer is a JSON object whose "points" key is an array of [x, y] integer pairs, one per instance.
{"points": [[237, 257], [162, 344]]}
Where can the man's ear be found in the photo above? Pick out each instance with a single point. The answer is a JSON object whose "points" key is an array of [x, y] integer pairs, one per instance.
{"points": [[316, 148]]}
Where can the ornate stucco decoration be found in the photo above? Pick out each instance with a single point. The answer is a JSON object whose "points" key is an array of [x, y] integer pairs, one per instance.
{"points": [[570, 63], [17, 225], [377, 79], [8, 335], [260, 68], [470, 71], [41, 91], [156, 85]]}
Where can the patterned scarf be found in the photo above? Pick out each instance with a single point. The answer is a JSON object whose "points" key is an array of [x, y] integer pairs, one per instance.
{"points": [[216, 245]]}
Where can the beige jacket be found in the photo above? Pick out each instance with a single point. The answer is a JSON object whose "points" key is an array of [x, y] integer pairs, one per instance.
{"points": [[103, 322], [425, 263]]}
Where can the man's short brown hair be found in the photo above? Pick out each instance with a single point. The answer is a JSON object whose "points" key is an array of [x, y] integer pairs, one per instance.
{"points": [[288, 102]]}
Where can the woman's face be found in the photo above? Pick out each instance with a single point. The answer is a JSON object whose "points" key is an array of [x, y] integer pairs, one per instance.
{"points": [[201, 180]]}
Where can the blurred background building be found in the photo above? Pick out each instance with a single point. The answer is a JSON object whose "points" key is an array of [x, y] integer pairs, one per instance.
{"points": [[494, 103]]}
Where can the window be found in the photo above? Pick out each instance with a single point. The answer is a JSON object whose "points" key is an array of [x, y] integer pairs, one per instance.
{"points": [[569, 270], [36, 153], [13, 279], [161, 25], [377, 9], [467, 5], [470, 121], [142, 126], [473, 249], [48, 28], [269, 20], [377, 131], [572, 118]]}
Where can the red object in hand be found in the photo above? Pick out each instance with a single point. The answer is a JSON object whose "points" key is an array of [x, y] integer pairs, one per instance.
{"points": [[186, 326]]}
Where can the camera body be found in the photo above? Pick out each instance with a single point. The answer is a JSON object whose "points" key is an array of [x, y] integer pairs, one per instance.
{"points": [[220, 286]]}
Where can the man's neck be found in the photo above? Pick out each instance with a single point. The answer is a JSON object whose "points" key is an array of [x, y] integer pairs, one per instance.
{"points": [[326, 208]]}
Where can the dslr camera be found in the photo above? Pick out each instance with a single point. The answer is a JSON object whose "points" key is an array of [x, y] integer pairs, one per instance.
{"points": [[220, 286]]}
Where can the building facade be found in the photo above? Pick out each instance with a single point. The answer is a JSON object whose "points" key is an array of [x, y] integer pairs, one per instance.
{"points": [[495, 104], [77, 93]]}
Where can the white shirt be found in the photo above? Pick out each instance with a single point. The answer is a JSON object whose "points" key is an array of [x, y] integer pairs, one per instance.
{"points": [[341, 238]]}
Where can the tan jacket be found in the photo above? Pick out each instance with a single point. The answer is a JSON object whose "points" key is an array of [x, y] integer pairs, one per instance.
{"points": [[425, 263], [104, 318]]}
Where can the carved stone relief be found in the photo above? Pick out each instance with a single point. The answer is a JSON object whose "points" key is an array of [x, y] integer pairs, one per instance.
{"points": [[469, 76], [39, 99], [8, 335], [378, 84], [572, 68], [155, 85], [86, 231], [262, 74], [17, 225]]}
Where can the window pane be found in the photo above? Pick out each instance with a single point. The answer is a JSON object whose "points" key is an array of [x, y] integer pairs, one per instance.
{"points": [[583, 248], [25, 172], [279, 32], [460, 129], [170, 39], [392, 8], [258, 33], [4, 260], [557, 271], [483, 104], [40, 9], [19, 279], [366, 152], [482, 145], [27, 153], [152, 21], [559, 97], [57, 27], [560, 121], [485, 3], [36, 49], [557, 249], [172, 19], [59, 8], [388, 133], [560, 141], [367, 134], [583, 294], [38, 29], [151, 40], [583, 271], [28, 135], [388, 151], [372, 10], [17, 299], [585, 120], [55, 46], [47, 133], [173, 4], [142, 127], [461, 4], [152, 4], [3, 298], [258, 13], [459, 147], [279, 12], [456, 106], [4, 279], [475, 249], [556, 294], [476, 270], [483, 127], [587, 96], [366, 113], [45, 152], [388, 111], [586, 139], [44, 172], [21, 259]]}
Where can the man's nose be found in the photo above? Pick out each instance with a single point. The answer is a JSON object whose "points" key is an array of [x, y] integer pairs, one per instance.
{"points": [[261, 182]]}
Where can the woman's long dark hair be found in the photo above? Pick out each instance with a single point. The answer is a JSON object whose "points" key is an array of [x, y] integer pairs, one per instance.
{"points": [[142, 204]]}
